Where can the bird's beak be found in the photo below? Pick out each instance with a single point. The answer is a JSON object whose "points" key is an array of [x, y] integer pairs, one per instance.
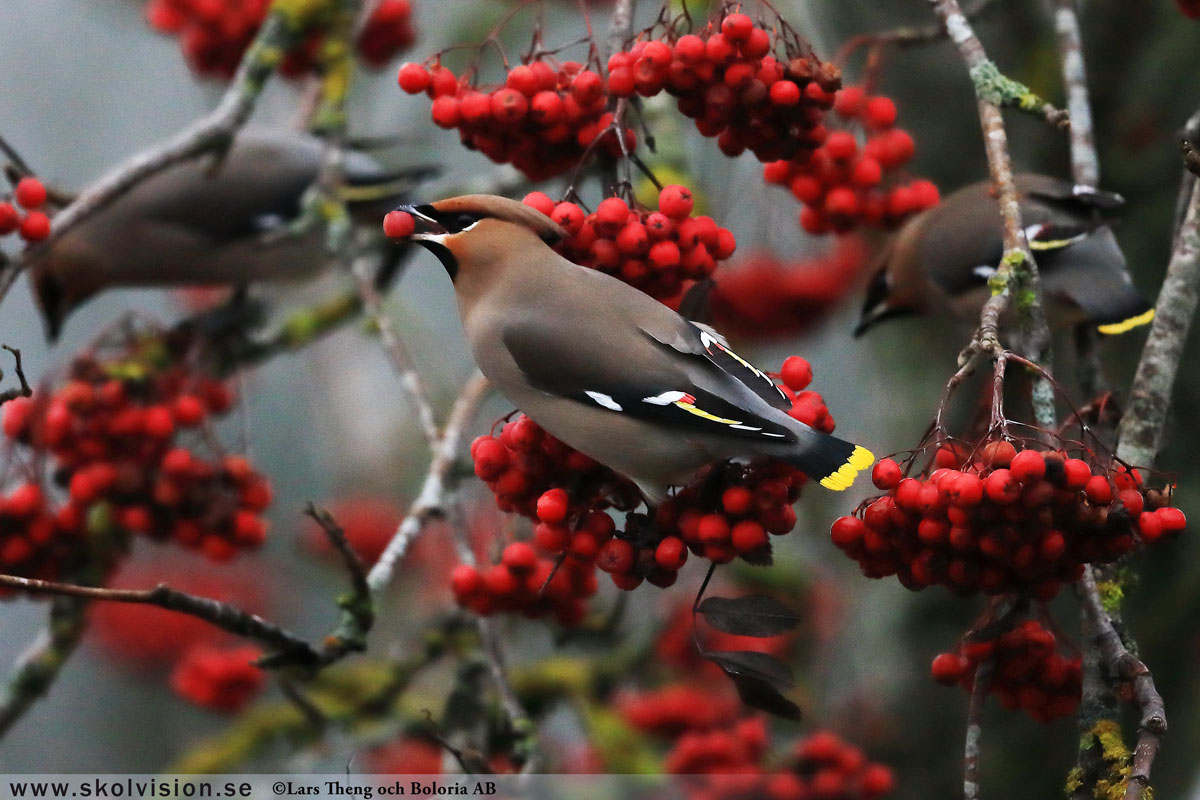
{"points": [[428, 228], [878, 314]]}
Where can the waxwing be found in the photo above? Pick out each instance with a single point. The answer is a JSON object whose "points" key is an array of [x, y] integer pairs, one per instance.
{"points": [[941, 259], [605, 368], [202, 222]]}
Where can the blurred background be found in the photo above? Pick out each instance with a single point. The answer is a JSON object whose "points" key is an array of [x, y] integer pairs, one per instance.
{"points": [[87, 84]]}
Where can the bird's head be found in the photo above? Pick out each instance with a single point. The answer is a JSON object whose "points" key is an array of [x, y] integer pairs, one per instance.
{"points": [[61, 280], [474, 229]]}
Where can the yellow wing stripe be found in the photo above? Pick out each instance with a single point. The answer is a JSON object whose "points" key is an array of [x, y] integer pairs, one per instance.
{"points": [[1040, 245], [1127, 325], [699, 412], [844, 476]]}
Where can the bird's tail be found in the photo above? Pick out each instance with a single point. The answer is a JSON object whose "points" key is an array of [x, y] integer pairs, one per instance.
{"points": [[831, 461]]}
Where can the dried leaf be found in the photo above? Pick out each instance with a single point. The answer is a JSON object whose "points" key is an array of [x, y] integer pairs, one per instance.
{"points": [[752, 615]]}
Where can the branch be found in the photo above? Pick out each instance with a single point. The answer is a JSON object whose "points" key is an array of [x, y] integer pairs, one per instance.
{"points": [[40, 664], [1150, 396], [1123, 665], [1085, 164], [431, 501], [1017, 268], [523, 729], [402, 360]]}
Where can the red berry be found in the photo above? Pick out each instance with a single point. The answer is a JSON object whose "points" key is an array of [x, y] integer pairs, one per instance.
{"points": [[848, 532], [611, 215], [690, 48], [748, 536], [189, 410], [796, 373], [737, 500], [1028, 466], [784, 93], [849, 101], [413, 78], [676, 202], [671, 553], [465, 580], [886, 474], [552, 506], [35, 226], [519, 557], [616, 556], [948, 668], [30, 193], [879, 112], [25, 501], [1077, 473], [714, 529], [1099, 491], [1001, 488], [737, 27], [10, 218], [841, 145], [445, 111], [999, 453]]}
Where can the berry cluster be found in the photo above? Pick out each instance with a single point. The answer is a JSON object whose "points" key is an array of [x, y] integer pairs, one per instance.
{"points": [[34, 224], [1002, 520], [735, 89], [678, 708], [1028, 672], [533, 474], [843, 185], [725, 513], [543, 120], [111, 432], [825, 766], [1189, 8], [214, 34], [764, 296], [655, 251], [219, 678]]}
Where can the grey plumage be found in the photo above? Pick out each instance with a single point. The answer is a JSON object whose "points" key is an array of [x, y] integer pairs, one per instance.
{"points": [[207, 222], [605, 368], [940, 260]]}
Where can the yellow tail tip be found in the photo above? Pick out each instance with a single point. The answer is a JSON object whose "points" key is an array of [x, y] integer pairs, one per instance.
{"points": [[1114, 328], [844, 476]]}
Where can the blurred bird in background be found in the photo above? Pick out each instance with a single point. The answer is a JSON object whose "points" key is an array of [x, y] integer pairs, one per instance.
{"points": [[940, 260], [215, 223]]}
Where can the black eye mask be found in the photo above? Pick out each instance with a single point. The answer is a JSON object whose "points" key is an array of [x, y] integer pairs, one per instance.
{"points": [[452, 221]]}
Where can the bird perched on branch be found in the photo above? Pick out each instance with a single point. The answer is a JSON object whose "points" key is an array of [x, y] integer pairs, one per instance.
{"points": [[211, 222], [605, 368], [940, 260]]}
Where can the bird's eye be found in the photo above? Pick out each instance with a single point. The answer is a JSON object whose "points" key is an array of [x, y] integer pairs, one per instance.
{"points": [[463, 221]]}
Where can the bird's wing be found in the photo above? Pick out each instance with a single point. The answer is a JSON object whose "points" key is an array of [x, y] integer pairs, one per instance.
{"points": [[682, 378], [1092, 275], [258, 186], [1056, 190]]}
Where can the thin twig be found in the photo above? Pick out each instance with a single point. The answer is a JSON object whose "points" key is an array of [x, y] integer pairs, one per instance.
{"points": [[974, 738], [220, 614], [431, 501], [402, 360], [24, 390], [1017, 266]]}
